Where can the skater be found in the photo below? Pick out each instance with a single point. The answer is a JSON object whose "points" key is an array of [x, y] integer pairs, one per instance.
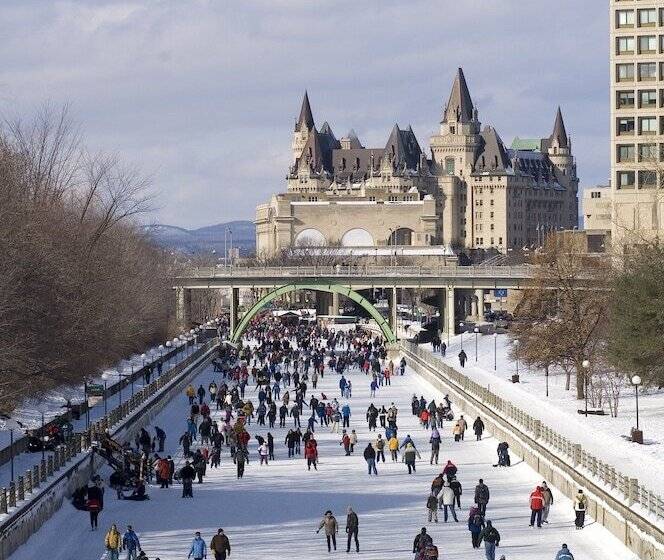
{"points": [[503, 454], [409, 457], [95, 503], [113, 543], [187, 475], [548, 500], [393, 445], [449, 470], [462, 358], [130, 543], [536, 507], [422, 540], [478, 428], [435, 446], [564, 554], [198, 549], [443, 349], [475, 526], [311, 454], [352, 528], [482, 496], [580, 506], [447, 500], [329, 522], [370, 458], [491, 538], [345, 412], [270, 446], [220, 545], [463, 426], [345, 441], [201, 394], [241, 458], [380, 449], [432, 507], [455, 485], [161, 438]]}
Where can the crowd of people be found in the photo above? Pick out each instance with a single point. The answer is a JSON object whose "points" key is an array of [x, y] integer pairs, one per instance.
{"points": [[270, 382]]}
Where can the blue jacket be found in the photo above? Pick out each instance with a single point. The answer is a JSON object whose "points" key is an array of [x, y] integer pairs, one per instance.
{"points": [[564, 554], [345, 410], [130, 541], [342, 383], [198, 548]]}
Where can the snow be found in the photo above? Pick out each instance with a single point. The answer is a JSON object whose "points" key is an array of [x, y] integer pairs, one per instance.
{"points": [[602, 436], [274, 510]]}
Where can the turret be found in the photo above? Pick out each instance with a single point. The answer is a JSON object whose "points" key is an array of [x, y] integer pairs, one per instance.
{"points": [[303, 127]]}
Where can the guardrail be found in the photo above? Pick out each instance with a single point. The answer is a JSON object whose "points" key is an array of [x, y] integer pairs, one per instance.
{"points": [[521, 271], [618, 489], [24, 495]]}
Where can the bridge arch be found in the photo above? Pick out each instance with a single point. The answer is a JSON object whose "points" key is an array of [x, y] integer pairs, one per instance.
{"points": [[329, 288]]}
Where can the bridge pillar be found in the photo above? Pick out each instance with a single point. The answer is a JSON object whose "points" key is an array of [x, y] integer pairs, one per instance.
{"points": [[450, 316], [234, 308], [392, 309], [323, 300], [183, 308], [479, 296], [473, 306], [334, 309]]}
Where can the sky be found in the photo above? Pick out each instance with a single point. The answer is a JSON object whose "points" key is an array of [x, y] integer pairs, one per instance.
{"points": [[202, 95]]}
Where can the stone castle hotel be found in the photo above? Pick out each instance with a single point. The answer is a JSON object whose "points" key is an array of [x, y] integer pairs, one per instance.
{"points": [[469, 192]]}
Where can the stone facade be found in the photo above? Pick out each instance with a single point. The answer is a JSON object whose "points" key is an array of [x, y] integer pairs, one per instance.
{"points": [[470, 192]]}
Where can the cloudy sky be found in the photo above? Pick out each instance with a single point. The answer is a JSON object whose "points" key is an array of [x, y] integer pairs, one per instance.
{"points": [[203, 95]]}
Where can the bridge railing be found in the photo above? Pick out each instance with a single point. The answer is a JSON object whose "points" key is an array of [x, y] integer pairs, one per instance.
{"points": [[566, 449], [361, 271]]}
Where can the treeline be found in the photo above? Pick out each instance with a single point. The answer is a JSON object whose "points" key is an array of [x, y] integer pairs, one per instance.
{"points": [[80, 285], [597, 318]]}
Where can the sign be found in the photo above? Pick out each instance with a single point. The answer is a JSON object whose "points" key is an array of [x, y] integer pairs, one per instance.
{"points": [[95, 393], [500, 293], [93, 400]]}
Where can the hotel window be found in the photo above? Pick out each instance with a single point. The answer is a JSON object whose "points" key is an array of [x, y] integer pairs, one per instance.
{"points": [[595, 195], [647, 179], [625, 126], [625, 45], [648, 98], [625, 18], [647, 44], [647, 71], [625, 179], [491, 215], [647, 125], [647, 17], [449, 166], [500, 241], [624, 72], [625, 153], [624, 99], [647, 152]]}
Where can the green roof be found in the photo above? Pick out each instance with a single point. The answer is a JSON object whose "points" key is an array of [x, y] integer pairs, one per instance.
{"points": [[526, 144]]}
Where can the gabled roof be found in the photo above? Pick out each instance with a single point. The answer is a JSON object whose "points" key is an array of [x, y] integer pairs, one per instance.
{"points": [[493, 157], [402, 147], [459, 107], [306, 119]]}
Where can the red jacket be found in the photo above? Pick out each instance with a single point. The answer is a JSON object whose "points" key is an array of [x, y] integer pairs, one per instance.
{"points": [[310, 451], [244, 437], [346, 440], [537, 500]]}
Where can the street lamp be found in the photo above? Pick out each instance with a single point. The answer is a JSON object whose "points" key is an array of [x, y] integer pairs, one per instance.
{"points": [[586, 370], [476, 331], [461, 332], [637, 435], [516, 354], [495, 354]]}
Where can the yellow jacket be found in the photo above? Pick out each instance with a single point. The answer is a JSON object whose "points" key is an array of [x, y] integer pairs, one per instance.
{"points": [[113, 540], [393, 443], [190, 392]]}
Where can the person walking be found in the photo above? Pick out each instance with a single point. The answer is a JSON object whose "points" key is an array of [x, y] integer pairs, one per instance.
{"points": [[393, 445], [380, 449], [95, 503], [113, 543], [462, 358], [482, 496], [432, 507], [198, 550], [455, 485], [435, 446], [447, 499], [491, 538], [130, 543], [345, 412], [463, 426], [564, 553], [331, 526], [580, 507], [478, 428], [422, 540], [311, 454], [241, 459], [548, 501], [409, 457], [187, 475], [536, 507], [352, 529], [220, 545], [475, 526], [161, 438], [370, 458]]}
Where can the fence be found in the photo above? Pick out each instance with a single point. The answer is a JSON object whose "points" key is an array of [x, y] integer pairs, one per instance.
{"points": [[29, 484]]}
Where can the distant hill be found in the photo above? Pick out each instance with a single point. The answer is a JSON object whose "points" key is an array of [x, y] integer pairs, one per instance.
{"points": [[207, 239]]}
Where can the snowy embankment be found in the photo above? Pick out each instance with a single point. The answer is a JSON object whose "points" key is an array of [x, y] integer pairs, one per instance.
{"points": [[603, 436], [274, 510]]}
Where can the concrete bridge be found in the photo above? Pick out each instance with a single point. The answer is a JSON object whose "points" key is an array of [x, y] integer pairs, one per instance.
{"points": [[459, 289]]}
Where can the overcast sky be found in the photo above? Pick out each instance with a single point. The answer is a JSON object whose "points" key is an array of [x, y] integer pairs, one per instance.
{"points": [[203, 95]]}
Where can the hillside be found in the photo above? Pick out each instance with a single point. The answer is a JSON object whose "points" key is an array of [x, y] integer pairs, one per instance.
{"points": [[206, 239]]}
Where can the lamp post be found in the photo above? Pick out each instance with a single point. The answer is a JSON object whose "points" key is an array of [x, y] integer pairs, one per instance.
{"points": [[11, 452], [105, 398], [43, 437], [515, 378], [495, 348], [476, 331], [461, 332], [546, 375], [637, 435], [168, 345], [586, 370]]}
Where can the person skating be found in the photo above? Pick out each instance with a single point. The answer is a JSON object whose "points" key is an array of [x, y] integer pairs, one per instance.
{"points": [[475, 526], [263, 453], [370, 458], [432, 507], [270, 446], [409, 457], [449, 470], [241, 458], [491, 538], [187, 475], [463, 425], [95, 503], [191, 394], [131, 544], [201, 394], [161, 438], [380, 448], [352, 529], [393, 445], [447, 500], [331, 526], [478, 428], [353, 441], [220, 545], [434, 440], [503, 454], [536, 507], [113, 543], [462, 358], [580, 507], [482, 496], [198, 549], [455, 485], [422, 540], [345, 441], [548, 501], [311, 454], [564, 553]]}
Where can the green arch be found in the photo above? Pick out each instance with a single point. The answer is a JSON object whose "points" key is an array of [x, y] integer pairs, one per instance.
{"points": [[330, 288]]}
